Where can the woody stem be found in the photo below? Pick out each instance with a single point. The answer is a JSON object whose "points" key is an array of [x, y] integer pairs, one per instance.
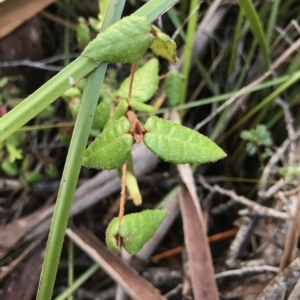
{"points": [[123, 192], [133, 68]]}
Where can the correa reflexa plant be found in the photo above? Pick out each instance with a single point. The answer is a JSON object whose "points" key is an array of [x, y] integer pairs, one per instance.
{"points": [[168, 140]]}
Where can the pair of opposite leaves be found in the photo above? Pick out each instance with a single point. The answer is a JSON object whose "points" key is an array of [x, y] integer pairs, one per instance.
{"points": [[168, 140], [127, 41]]}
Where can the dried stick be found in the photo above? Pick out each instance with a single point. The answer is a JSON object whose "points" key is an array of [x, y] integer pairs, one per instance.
{"points": [[273, 161], [246, 271], [287, 277], [241, 237], [256, 208], [292, 235], [288, 119]]}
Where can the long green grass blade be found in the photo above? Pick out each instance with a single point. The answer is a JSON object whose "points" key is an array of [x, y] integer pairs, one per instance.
{"points": [[78, 282], [226, 96], [252, 16], [292, 80], [189, 47], [272, 20], [234, 46], [44, 96]]}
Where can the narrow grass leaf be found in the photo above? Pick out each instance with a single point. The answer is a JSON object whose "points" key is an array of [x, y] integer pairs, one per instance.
{"points": [[255, 24]]}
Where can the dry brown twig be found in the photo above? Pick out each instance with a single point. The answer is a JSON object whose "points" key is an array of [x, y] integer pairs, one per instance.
{"points": [[285, 278]]}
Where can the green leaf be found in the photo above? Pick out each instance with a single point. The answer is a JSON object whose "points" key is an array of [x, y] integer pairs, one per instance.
{"points": [[52, 171], [33, 176], [120, 111], [11, 169], [172, 86], [112, 233], [163, 45], [13, 152], [111, 148], [290, 172], [140, 106], [135, 230], [70, 93], [126, 41], [131, 182], [145, 82], [83, 33], [177, 144], [17, 138], [133, 188], [102, 112], [260, 136]]}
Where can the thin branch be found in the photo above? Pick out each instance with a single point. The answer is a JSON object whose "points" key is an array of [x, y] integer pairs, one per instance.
{"points": [[256, 208], [284, 279], [133, 68], [123, 192], [246, 271], [273, 161], [41, 64], [292, 235], [288, 119]]}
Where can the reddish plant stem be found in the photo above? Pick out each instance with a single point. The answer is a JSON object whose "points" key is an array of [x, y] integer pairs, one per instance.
{"points": [[123, 192], [133, 68]]}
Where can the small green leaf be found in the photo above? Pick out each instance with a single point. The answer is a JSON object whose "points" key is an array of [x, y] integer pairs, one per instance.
{"points": [[135, 229], [177, 144], [145, 82], [11, 169], [119, 112], [140, 106], [102, 113], [17, 138], [83, 33], [111, 148], [133, 188], [163, 45], [74, 106], [172, 86], [33, 176], [52, 171], [112, 233], [131, 182], [71, 92], [290, 172], [126, 41], [13, 152]]}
